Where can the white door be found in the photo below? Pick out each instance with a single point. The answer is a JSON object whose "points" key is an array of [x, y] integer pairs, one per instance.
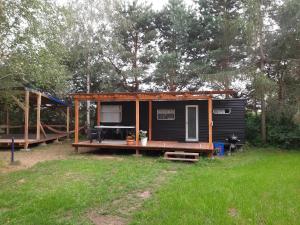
{"points": [[191, 123]]}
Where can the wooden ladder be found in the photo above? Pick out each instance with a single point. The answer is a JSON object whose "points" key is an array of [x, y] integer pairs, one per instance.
{"points": [[182, 156]]}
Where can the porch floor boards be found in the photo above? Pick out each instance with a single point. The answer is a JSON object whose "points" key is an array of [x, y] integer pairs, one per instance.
{"points": [[151, 145], [5, 139]]}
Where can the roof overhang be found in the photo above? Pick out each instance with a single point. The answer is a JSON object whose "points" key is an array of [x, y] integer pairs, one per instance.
{"points": [[149, 96]]}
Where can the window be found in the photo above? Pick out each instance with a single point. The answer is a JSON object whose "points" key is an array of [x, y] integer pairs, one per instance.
{"points": [[222, 111], [166, 114], [111, 113]]}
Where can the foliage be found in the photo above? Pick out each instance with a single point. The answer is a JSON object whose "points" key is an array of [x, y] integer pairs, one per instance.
{"points": [[281, 131], [143, 133], [32, 51], [119, 45], [131, 50]]}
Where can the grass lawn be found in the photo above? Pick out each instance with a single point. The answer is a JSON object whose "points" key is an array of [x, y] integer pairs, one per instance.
{"points": [[253, 187]]}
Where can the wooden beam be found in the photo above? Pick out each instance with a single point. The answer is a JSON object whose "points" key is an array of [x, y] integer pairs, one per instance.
{"points": [[19, 103], [43, 131], [146, 96], [76, 107], [98, 113], [38, 116], [68, 122], [210, 123], [137, 123], [26, 120], [141, 97], [150, 120], [7, 121]]}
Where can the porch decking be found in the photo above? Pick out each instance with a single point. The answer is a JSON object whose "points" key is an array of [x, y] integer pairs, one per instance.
{"points": [[19, 140], [151, 145]]}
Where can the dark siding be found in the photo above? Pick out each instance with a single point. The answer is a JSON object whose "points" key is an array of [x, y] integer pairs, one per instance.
{"points": [[234, 123], [169, 130], [224, 125], [174, 130]]}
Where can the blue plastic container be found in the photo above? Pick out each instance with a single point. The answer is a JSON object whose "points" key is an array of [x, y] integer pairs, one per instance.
{"points": [[221, 147]]}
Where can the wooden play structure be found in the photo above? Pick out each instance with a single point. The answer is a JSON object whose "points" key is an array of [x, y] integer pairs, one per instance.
{"points": [[33, 103]]}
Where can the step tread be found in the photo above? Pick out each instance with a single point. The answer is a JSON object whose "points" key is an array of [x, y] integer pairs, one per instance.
{"points": [[183, 159], [182, 153]]}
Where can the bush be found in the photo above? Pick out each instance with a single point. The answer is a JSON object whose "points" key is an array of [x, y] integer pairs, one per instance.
{"points": [[281, 132]]}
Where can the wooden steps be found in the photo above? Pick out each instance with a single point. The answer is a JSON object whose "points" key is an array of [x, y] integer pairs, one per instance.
{"points": [[182, 156]]}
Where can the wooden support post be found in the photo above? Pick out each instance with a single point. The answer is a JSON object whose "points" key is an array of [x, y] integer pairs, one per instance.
{"points": [[26, 120], [210, 124], [76, 106], [38, 116], [7, 121], [150, 121], [98, 113], [68, 122], [137, 124]]}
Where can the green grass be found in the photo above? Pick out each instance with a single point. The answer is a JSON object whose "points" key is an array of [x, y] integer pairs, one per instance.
{"points": [[59, 192], [253, 187]]}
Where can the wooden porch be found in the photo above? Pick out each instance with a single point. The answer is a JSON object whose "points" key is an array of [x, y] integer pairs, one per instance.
{"points": [[151, 145], [19, 140], [147, 97]]}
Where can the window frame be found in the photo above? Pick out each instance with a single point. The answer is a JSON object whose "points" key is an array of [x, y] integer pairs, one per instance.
{"points": [[158, 113], [215, 113], [120, 112]]}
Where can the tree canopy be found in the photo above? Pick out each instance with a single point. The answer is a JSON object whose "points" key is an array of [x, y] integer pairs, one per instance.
{"points": [[104, 45]]}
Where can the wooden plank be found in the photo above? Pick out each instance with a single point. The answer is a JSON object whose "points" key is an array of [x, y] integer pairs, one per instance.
{"points": [[152, 145], [182, 159], [182, 153], [150, 95], [150, 121], [38, 116], [76, 107], [210, 123], [19, 103], [137, 121], [141, 97], [98, 113], [43, 131], [68, 122], [26, 119]]}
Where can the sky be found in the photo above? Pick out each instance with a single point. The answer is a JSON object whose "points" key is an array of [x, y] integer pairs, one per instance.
{"points": [[157, 4]]}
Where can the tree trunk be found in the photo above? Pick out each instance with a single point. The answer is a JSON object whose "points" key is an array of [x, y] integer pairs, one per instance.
{"points": [[88, 90], [262, 69], [263, 120], [134, 64]]}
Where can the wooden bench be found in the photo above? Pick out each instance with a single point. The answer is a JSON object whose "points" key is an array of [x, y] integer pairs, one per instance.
{"points": [[182, 156]]}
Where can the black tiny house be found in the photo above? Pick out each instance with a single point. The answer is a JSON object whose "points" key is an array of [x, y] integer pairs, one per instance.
{"points": [[175, 121], [169, 119]]}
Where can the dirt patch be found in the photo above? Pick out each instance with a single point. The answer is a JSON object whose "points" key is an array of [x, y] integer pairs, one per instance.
{"points": [[27, 159], [144, 195], [233, 212], [21, 181], [106, 219]]}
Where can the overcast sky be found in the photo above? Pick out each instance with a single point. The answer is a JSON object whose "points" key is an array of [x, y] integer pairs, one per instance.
{"points": [[157, 4]]}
